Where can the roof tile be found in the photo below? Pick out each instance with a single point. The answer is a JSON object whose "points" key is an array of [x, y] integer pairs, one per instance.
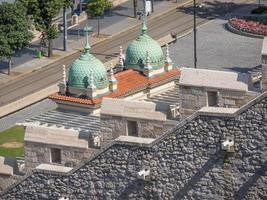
{"points": [[128, 82]]}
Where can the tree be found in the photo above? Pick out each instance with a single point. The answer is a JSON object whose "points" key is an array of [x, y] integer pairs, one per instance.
{"points": [[66, 4], [14, 26], [96, 8], [43, 12]]}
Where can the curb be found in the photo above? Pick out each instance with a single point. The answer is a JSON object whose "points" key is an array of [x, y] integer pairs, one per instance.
{"points": [[152, 18], [232, 29], [102, 40]]}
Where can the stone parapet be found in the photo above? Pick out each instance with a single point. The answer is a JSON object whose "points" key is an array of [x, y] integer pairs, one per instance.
{"points": [[187, 162]]}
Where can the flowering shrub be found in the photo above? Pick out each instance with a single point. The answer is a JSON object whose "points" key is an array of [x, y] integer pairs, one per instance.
{"points": [[249, 26]]}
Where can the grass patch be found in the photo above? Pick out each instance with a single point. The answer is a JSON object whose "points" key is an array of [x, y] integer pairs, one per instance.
{"points": [[12, 142]]}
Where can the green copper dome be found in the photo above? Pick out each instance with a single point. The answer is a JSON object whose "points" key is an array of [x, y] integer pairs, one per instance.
{"points": [[86, 66], [137, 51]]}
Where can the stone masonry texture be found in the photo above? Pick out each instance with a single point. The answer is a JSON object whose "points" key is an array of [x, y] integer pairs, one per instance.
{"points": [[185, 163], [37, 153], [114, 126], [194, 98]]}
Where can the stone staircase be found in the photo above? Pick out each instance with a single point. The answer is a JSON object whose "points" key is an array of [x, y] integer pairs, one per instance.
{"points": [[170, 99]]}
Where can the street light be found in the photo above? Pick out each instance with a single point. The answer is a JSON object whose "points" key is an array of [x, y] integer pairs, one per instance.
{"points": [[195, 37]]}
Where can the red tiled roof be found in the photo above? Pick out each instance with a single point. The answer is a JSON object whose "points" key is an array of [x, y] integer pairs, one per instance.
{"points": [[128, 82]]}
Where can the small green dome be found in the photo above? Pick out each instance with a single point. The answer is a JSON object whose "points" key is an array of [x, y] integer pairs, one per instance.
{"points": [[86, 66], [137, 51]]}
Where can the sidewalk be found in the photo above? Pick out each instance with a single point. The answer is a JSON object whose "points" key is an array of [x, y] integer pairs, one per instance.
{"points": [[120, 19]]}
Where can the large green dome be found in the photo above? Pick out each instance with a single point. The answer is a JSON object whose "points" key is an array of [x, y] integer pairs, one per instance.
{"points": [[137, 51], [85, 68]]}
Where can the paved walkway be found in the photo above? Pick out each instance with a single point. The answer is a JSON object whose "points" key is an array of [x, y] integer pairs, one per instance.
{"points": [[119, 19], [219, 49]]}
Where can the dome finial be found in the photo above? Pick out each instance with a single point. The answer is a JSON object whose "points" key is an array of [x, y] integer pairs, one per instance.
{"points": [[87, 46], [144, 21]]}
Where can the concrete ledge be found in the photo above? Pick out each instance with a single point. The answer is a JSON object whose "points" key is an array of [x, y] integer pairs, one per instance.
{"points": [[264, 47], [133, 140], [54, 168], [8, 166], [217, 110], [28, 100], [131, 109], [56, 136], [166, 40]]}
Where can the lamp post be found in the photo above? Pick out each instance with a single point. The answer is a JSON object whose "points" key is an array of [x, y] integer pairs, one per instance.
{"points": [[195, 37], [65, 32]]}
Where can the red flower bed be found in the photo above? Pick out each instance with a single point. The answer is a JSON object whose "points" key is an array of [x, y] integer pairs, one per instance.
{"points": [[249, 26]]}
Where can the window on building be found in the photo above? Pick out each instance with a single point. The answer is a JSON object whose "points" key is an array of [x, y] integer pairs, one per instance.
{"points": [[132, 128], [212, 98], [55, 155]]}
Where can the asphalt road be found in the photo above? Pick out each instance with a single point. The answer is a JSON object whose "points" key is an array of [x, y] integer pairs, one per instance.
{"points": [[178, 21]]}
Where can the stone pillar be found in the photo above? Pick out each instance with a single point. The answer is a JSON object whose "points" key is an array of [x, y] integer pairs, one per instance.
{"points": [[113, 83], [62, 85], [168, 61], [121, 59], [148, 70], [90, 92]]}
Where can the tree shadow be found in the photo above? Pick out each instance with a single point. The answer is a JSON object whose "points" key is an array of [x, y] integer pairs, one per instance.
{"points": [[212, 10], [136, 186], [213, 160], [28, 52]]}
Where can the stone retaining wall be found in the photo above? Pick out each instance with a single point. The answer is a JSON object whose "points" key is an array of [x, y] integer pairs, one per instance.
{"points": [[185, 163], [194, 98], [113, 127], [37, 153]]}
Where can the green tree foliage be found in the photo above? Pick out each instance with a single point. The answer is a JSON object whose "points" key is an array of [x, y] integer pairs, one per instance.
{"points": [[43, 12], [96, 8], [14, 26]]}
